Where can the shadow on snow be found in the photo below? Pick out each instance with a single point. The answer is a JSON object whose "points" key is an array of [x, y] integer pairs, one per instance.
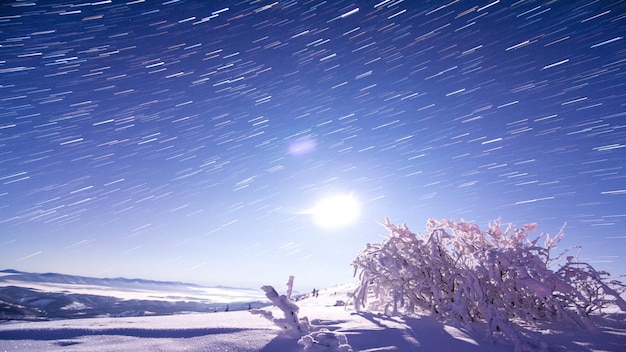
{"points": [[413, 334], [427, 334], [69, 333]]}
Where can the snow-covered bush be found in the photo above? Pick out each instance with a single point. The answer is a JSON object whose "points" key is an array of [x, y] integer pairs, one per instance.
{"points": [[290, 323], [459, 272]]}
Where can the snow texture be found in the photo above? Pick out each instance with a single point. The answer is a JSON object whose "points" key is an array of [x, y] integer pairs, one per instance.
{"points": [[241, 331], [325, 340]]}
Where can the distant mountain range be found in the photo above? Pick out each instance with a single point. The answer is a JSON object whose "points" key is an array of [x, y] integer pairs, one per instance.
{"points": [[36, 296]]}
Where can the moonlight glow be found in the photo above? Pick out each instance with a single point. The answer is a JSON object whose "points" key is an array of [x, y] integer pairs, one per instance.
{"points": [[336, 211]]}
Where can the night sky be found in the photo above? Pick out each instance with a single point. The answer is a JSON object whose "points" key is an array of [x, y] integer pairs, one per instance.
{"points": [[190, 140]]}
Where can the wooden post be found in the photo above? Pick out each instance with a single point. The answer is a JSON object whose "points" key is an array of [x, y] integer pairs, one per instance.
{"points": [[289, 286]]}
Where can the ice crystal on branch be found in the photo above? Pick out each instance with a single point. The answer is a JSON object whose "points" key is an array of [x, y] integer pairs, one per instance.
{"points": [[459, 272]]}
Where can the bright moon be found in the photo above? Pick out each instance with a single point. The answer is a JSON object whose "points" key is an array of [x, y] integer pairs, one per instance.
{"points": [[336, 211]]}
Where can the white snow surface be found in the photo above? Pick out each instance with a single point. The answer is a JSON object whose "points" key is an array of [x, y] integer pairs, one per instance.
{"points": [[243, 331]]}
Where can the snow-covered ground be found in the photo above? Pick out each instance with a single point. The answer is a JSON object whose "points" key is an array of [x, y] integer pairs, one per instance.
{"points": [[243, 331]]}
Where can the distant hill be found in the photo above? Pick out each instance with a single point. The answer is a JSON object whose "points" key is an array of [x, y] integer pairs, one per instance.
{"points": [[41, 296], [11, 274]]}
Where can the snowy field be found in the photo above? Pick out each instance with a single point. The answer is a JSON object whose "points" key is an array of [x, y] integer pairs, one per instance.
{"points": [[243, 331]]}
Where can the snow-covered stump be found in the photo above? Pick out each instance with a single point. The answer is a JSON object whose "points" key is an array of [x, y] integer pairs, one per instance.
{"points": [[322, 340], [291, 325]]}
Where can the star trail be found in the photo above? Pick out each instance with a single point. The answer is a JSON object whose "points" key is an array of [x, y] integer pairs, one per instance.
{"points": [[185, 140]]}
